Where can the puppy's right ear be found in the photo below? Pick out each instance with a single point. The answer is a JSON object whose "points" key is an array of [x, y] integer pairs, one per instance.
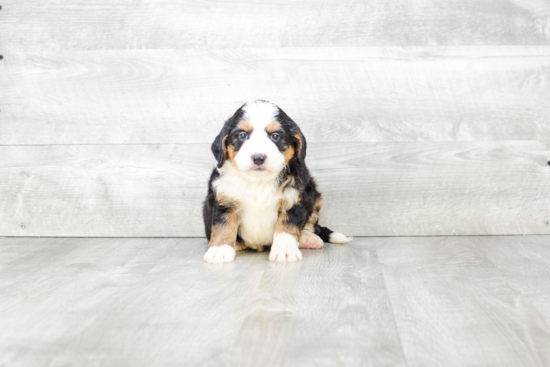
{"points": [[219, 146]]}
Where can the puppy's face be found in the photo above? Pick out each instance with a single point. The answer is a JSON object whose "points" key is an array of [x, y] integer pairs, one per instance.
{"points": [[259, 140]]}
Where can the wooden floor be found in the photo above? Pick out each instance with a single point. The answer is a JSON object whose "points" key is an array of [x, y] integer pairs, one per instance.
{"points": [[383, 301]]}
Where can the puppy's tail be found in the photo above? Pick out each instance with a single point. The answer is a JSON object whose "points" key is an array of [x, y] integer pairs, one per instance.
{"points": [[328, 235]]}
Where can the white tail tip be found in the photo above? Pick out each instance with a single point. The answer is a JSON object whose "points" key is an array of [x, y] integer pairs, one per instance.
{"points": [[340, 238]]}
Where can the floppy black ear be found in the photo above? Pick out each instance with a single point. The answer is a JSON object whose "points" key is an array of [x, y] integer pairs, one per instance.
{"points": [[301, 144], [294, 129], [219, 146]]}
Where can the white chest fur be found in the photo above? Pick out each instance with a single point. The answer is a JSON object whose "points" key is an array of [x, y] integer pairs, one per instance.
{"points": [[258, 202]]}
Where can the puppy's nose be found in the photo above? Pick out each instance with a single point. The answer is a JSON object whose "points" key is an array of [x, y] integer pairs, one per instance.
{"points": [[258, 159]]}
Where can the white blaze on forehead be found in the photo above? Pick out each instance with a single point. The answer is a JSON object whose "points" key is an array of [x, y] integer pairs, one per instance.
{"points": [[260, 113]]}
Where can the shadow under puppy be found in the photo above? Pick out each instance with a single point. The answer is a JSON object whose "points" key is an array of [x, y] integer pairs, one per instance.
{"points": [[261, 192]]}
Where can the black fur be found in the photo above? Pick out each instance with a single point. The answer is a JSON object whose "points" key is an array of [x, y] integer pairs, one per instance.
{"points": [[221, 140], [303, 181], [305, 184], [288, 124], [322, 232], [284, 141], [208, 205]]}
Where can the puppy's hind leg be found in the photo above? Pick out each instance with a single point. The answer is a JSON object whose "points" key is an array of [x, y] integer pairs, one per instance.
{"points": [[310, 240], [239, 244]]}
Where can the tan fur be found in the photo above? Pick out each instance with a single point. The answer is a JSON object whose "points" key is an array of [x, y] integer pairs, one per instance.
{"points": [[273, 126], [231, 153], [245, 125], [283, 227], [314, 216], [288, 153], [224, 148], [227, 202], [290, 195], [308, 238], [298, 137], [226, 233]]}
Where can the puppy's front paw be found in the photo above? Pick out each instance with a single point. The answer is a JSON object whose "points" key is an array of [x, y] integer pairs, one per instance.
{"points": [[284, 249], [310, 240], [219, 254]]}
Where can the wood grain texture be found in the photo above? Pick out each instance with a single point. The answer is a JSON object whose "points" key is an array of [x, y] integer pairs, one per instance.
{"points": [[422, 301], [369, 189], [180, 313], [137, 302], [455, 307], [105, 190], [118, 302], [162, 24], [53, 289], [524, 266], [335, 94], [331, 309]]}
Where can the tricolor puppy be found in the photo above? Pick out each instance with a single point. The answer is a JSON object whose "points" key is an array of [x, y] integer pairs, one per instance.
{"points": [[261, 192]]}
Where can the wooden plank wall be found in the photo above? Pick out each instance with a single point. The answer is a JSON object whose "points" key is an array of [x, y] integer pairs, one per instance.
{"points": [[422, 119]]}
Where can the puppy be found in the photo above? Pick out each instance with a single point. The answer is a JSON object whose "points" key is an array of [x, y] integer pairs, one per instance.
{"points": [[261, 192]]}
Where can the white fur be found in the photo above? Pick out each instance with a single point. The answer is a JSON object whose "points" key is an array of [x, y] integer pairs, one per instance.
{"points": [[259, 203], [259, 114], [284, 249], [339, 238], [220, 254]]}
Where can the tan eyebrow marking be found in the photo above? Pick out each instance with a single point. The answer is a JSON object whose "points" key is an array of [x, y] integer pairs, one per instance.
{"points": [[273, 126], [245, 125]]}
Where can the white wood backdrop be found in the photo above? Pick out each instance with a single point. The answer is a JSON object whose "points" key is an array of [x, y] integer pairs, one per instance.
{"points": [[165, 24], [423, 119]]}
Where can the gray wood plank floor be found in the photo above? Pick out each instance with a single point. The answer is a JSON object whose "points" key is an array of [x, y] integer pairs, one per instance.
{"points": [[401, 301]]}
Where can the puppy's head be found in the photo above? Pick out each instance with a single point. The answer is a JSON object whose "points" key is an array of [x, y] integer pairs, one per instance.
{"points": [[259, 140]]}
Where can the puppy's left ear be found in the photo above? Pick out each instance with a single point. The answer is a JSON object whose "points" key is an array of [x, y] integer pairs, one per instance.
{"points": [[296, 133], [301, 144]]}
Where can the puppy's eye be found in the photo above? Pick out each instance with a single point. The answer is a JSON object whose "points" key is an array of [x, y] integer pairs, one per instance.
{"points": [[243, 136], [275, 137]]}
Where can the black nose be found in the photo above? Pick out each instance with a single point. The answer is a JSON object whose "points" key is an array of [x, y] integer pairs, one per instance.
{"points": [[258, 159]]}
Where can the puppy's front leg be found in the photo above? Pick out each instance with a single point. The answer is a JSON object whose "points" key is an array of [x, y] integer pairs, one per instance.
{"points": [[287, 235], [224, 234]]}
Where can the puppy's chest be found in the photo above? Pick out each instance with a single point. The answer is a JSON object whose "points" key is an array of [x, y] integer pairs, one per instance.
{"points": [[258, 206], [258, 217]]}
